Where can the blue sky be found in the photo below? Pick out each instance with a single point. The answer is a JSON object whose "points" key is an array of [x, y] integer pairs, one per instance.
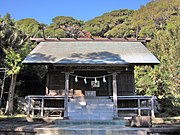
{"points": [[44, 10]]}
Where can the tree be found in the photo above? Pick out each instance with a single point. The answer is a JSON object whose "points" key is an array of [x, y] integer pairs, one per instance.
{"points": [[11, 43], [154, 16], [123, 30], [102, 26], [52, 32], [29, 26], [160, 20], [64, 26], [13, 61]]}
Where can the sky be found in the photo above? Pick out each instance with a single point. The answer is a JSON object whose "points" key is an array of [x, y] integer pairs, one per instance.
{"points": [[44, 10]]}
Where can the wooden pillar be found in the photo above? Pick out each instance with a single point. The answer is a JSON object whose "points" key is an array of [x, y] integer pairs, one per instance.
{"points": [[115, 95], [47, 84], [152, 106], [139, 107], [42, 107], [66, 95], [29, 106], [109, 86]]}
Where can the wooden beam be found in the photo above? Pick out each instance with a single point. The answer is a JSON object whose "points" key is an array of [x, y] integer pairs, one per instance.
{"points": [[115, 95], [66, 95]]}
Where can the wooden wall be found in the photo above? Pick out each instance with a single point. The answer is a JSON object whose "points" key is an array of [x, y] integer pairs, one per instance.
{"points": [[56, 83], [125, 82]]}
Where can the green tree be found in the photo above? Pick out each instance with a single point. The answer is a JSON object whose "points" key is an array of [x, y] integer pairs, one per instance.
{"points": [[52, 32], [123, 30], [12, 61], [160, 20], [29, 26], [11, 43], [63, 26], [154, 16], [101, 26]]}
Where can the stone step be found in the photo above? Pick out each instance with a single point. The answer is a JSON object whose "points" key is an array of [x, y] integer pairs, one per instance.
{"points": [[92, 100], [85, 127], [90, 109], [101, 129], [91, 131], [95, 132], [120, 122], [90, 118]]}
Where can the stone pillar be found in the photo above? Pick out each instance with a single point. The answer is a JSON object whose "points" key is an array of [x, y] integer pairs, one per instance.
{"points": [[66, 95], [115, 95]]}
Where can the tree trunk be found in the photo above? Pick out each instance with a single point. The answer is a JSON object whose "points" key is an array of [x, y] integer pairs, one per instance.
{"points": [[9, 104]]}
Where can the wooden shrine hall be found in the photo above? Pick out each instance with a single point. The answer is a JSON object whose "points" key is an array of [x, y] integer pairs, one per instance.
{"points": [[90, 78]]}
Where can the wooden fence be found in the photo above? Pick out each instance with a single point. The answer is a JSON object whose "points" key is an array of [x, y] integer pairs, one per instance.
{"points": [[37, 102]]}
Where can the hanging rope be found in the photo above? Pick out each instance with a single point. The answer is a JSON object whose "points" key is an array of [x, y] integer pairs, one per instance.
{"points": [[89, 77]]}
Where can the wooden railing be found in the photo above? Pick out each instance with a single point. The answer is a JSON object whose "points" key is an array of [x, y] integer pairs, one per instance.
{"points": [[40, 99], [141, 103]]}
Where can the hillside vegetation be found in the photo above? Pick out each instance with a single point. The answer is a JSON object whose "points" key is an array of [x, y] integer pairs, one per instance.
{"points": [[158, 20]]}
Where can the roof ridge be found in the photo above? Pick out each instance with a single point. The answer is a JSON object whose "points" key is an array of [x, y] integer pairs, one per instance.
{"points": [[90, 39]]}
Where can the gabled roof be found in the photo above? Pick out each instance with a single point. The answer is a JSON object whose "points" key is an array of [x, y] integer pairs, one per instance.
{"points": [[91, 53]]}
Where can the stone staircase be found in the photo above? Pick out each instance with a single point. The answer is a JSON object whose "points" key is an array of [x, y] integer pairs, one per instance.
{"points": [[90, 109]]}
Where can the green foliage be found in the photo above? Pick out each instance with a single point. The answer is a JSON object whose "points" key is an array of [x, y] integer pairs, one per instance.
{"points": [[66, 21], [13, 43], [54, 32], [121, 31], [63, 26], [146, 31], [10, 37], [155, 15], [162, 25], [99, 26], [13, 61], [29, 26], [145, 85]]}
